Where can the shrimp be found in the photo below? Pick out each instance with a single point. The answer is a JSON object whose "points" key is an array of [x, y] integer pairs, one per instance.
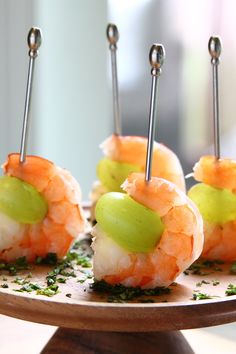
{"points": [[217, 173], [63, 222], [133, 149], [180, 244], [220, 238]]}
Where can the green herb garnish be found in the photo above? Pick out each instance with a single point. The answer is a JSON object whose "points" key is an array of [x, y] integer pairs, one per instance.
{"points": [[120, 293], [13, 268], [204, 267], [231, 290], [29, 287], [50, 259], [4, 286], [215, 282], [21, 281], [201, 296], [48, 291], [202, 282]]}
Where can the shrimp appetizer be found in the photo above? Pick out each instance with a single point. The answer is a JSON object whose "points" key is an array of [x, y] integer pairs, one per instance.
{"points": [[40, 209], [216, 200], [147, 236], [126, 154], [216, 195]]}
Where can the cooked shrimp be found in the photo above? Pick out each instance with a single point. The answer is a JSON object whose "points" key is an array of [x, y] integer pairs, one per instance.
{"points": [[217, 173], [64, 219], [133, 149], [219, 243], [179, 246], [219, 238]]}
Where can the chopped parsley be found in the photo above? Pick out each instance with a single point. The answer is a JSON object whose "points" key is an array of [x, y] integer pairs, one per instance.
{"points": [[29, 287], [231, 290], [21, 281], [61, 280], [20, 264], [202, 282], [215, 282], [49, 290], [120, 293], [65, 268], [50, 259], [4, 286], [204, 267], [201, 296]]}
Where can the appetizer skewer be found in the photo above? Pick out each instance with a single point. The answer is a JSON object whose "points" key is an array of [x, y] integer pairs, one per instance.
{"points": [[40, 208], [215, 196], [126, 154], [147, 236]]}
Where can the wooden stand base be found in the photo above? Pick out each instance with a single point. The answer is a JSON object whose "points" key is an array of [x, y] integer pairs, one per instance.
{"points": [[70, 341]]}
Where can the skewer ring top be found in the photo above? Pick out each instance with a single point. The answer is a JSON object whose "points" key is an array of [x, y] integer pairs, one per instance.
{"points": [[214, 47], [34, 40], [112, 34], [157, 56]]}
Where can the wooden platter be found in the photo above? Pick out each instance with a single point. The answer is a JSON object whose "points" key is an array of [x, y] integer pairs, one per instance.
{"points": [[87, 309]]}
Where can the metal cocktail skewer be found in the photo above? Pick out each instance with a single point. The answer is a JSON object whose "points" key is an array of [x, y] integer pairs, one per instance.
{"points": [[34, 41], [113, 36], [214, 47], [156, 58]]}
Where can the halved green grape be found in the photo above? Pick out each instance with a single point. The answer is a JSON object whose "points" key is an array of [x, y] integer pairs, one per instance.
{"points": [[130, 224], [216, 205], [21, 201], [112, 173]]}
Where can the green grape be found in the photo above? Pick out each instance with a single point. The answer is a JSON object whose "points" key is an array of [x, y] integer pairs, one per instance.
{"points": [[21, 201], [112, 173], [130, 224], [216, 205]]}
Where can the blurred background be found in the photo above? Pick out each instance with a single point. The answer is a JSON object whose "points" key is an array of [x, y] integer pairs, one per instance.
{"points": [[71, 104]]}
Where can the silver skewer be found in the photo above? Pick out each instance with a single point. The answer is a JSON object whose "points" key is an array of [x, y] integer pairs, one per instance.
{"points": [[34, 41], [113, 37], [156, 58], [214, 47]]}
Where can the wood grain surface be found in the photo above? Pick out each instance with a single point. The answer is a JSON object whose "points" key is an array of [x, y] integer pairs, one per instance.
{"points": [[69, 341], [86, 309]]}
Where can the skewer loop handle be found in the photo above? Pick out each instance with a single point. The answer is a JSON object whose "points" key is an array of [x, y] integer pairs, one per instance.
{"points": [[156, 58], [112, 35], [34, 41], [214, 47]]}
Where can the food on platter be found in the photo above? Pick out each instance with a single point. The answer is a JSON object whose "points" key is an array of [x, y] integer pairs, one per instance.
{"points": [[147, 236], [215, 197], [40, 209]]}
